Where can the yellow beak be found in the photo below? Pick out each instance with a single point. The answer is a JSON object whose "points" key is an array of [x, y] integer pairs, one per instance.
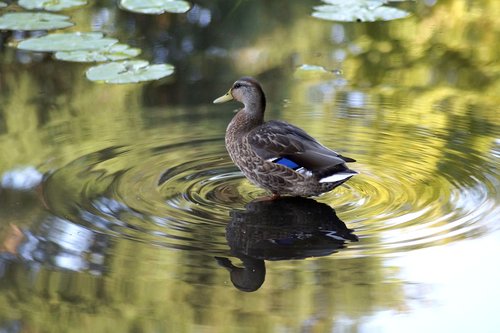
{"points": [[225, 98]]}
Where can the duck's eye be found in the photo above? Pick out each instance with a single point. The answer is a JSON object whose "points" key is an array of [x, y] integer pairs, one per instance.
{"points": [[237, 85]]}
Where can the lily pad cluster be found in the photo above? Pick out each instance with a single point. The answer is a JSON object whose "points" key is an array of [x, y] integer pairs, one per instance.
{"points": [[71, 41], [51, 5], [112, 52], [27, 21], [95, 47], [91, 46], [30, 21], [34, 21], [155, 6], [358, 11], [129, 72], [80, 47]]}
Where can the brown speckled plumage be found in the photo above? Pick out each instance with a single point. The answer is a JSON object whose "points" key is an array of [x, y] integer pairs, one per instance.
{"points": [[255, 146]]}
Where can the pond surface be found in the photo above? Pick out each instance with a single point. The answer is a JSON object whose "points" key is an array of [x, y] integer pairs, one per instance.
{"points": [[120, 209]]}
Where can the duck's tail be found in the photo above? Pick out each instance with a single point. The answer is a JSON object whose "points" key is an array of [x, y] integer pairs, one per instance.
{"points": [[341, 176]]}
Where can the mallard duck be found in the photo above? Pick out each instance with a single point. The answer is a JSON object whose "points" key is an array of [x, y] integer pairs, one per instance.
{"points": [[276, 155]]}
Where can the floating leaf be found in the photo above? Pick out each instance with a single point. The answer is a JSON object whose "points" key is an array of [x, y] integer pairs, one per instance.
{"points": [[129, 72], [312, 68], [112, 53], [155, 6], [67, 42], [51, 5], [313, 71], [34, 21], [358, 10], [2, 4], [307, 71]]}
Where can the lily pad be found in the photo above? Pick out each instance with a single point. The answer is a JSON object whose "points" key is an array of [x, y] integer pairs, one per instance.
{"points": [[305, 71], [34, 21], [2, 4], [67, 42], [51, 5], [128, 72], [312, 68], [113, 53], [155, 6], [358, 11]]}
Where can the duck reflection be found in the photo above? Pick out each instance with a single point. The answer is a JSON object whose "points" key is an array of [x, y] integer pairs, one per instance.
{"points": [[282, 229]]}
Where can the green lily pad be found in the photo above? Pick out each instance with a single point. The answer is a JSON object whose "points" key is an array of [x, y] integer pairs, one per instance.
{"points": [[67, 42], [2, 4], [51, 5], [312, 68], [155, 6], [128, 72], [306, 71], [358, 10], [113, 53], [34, 21]]}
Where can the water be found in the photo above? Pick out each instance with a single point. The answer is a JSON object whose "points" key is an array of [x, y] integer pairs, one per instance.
{"points": [[121, 210]]}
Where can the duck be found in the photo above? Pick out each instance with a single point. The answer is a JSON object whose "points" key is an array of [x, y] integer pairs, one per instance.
{"points": [[275, 155]]}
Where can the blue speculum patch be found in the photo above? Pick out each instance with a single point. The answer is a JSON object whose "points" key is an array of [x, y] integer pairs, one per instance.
{"points": [[288, 163]]}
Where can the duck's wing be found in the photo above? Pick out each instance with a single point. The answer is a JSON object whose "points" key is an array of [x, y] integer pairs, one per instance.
{"points": [[286, 144]]}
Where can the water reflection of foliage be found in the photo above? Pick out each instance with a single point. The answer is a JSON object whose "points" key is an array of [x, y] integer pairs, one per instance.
{"points": [[133, 290]]}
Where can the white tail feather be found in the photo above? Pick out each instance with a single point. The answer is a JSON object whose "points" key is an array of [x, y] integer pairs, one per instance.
{"points": [[336, 177]]}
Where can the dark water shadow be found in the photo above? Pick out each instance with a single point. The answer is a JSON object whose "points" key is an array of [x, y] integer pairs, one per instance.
{"points": [[283, 229]]}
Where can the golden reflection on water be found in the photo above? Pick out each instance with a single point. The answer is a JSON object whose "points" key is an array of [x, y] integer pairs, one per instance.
{"points": [[131, 190]]}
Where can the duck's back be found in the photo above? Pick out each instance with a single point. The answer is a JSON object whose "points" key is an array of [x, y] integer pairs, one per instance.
{"points": [[285, 159], [281, 140]]}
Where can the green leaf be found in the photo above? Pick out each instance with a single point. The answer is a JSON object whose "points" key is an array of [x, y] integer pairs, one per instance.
{"points": [[112, 53], [358, 10], [312, 68], [51, 5], [305, 71], [34, 21], [67, 42], [128, 72], [357, 3], [155, 6]]}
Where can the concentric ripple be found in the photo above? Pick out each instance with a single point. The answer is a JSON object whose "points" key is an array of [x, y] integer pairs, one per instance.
{"points": [[181, 195], [178, 195], [418, 202]]}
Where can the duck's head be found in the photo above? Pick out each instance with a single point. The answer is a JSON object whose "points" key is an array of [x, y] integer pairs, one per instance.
{"points": [[247, 91]]}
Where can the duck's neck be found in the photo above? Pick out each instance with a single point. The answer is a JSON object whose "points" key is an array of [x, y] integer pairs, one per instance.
{"points": [[248, 118]]}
